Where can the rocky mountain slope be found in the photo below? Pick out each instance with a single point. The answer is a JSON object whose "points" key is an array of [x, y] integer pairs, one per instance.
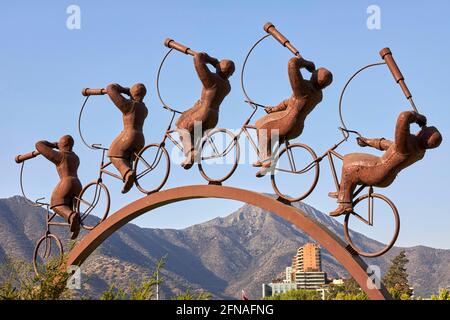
{"points": [[224, 255]]}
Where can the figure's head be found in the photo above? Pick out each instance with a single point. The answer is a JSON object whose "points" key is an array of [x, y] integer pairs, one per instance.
{"points": [[321, 78], [138, 92], [429, 137], [226, 68], [65, 143]]}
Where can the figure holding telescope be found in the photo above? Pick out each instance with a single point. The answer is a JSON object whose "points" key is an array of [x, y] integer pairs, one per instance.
{"points": [[370, 170], [406, 149], [205, 112], [69, 187], [286, 120], [131, 140]]}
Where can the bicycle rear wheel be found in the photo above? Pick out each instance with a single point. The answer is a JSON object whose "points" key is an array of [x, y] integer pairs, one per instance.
{"points": [[48, 250], [374, 200], [292, 163], [94, 200], [152, 167], [219, 153]]}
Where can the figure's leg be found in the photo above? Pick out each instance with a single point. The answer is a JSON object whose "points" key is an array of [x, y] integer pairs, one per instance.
{"points": [[265, 151], [346, 188], [123, 165], [187, 140], [72, 217]]}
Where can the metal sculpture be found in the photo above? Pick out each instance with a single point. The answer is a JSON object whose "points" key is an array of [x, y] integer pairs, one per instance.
{"points": [[62, 201], [66, 162], [285, 121], [214, 151], [326, 238], [370, 170], [131, 140], [205, 112]]}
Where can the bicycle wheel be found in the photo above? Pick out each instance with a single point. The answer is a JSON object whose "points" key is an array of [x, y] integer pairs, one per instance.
{"points": [[295, 168], [48, 250], [94, 200], [152, 166], [219, 152], [382, 203]]}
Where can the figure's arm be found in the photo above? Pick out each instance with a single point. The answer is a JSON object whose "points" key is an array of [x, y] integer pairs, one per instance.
{"points": [[115, 92], [46, 149], [402, 129], [381, 143], [205, 75], [280, 107], [298, 84]]}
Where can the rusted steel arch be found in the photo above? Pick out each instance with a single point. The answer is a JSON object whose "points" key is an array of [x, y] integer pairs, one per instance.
{"points": [[328, 240]]}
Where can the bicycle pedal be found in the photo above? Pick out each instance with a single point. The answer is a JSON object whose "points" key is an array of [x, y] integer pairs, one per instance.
{"points": [[333, 194]]}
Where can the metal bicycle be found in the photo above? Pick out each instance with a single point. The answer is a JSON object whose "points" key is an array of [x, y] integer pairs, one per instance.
{"points": [[97, 189], [157, 152], [289, 151], [358, 202], [48, 248]]}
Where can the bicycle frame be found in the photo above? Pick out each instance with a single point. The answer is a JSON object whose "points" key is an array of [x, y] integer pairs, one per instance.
{"points": [[330, 153], [244, 129]]}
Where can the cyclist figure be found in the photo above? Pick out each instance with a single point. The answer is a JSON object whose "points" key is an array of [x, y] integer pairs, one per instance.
{"points": [[205, 112], [131, 140], [286, 120], [367, 169], [69, 186]]}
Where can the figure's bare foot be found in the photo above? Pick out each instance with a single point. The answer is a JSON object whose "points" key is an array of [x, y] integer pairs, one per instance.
{"points": [[74, 221], [265, 168], [189, 161], [128, 181], [343, 208], [257, 164]]}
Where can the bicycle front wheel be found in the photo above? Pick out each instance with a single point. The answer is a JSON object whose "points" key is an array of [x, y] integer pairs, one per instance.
{"points": [[152, 167], [47, 253], [94, 200], [219, 153], [295, 169], [386, 219]]}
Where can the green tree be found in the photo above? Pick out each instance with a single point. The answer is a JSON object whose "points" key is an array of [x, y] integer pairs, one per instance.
{"points": [[188, 295], [350, 290], [444, 294], [19, 282], [396, 279], [143, 291], [299, 294]]}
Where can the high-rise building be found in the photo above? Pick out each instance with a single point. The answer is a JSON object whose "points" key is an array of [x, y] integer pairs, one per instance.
{"points": [[308, 258], [307, 267]]}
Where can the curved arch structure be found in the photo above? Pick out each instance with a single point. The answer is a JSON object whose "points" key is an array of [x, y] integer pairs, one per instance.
{"points": [[328, 240]]}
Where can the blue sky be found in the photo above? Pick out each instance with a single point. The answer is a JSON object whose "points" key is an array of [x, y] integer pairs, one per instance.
{"points": [[44, 65]]}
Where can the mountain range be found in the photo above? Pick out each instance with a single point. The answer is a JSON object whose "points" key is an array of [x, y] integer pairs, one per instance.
{"points": [[222, 256]]}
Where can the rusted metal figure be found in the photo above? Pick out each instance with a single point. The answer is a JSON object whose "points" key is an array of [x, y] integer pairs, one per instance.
{"points": [[131, 140], [205, 111], [286, 120], [67, 162], [370, 170]]}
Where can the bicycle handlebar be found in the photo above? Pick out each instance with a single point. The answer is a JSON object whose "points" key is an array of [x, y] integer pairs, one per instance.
{"points": [[270, 29], [27, 156], [93, 92], [172, 44]]}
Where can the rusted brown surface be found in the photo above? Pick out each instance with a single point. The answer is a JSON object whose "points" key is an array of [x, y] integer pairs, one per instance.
{"points": [[370, 170], [329, 241], [205, 112], [285, 121]]}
